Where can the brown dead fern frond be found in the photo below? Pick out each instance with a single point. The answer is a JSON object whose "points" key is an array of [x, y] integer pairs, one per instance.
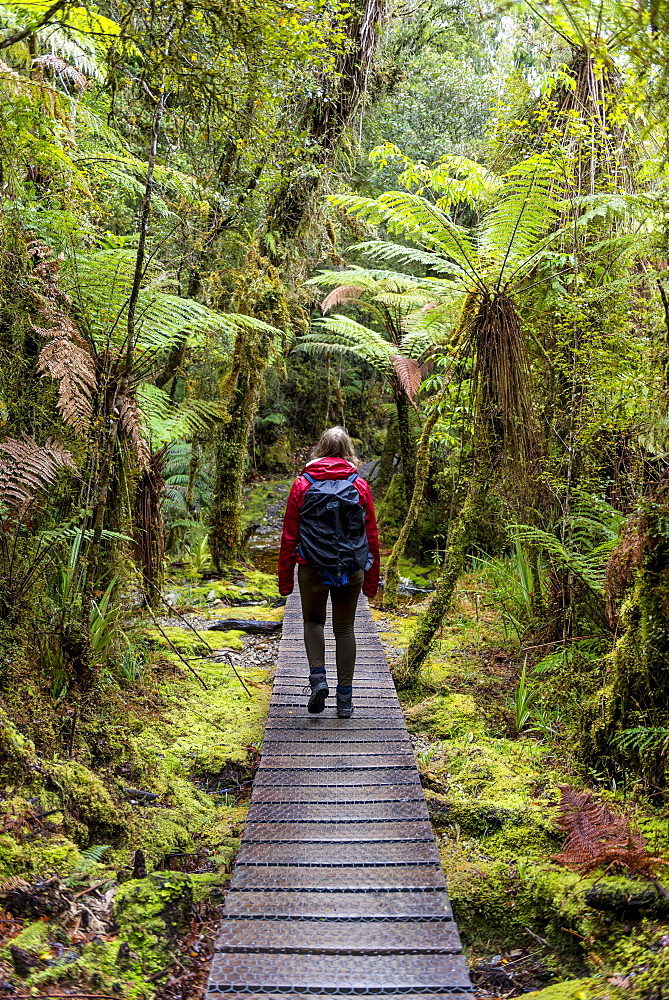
{"points": [[28, 470], [597, 837], [408, 374], [72, 366], [131, 430], [67, 356], [625, 558], [340, 296]]}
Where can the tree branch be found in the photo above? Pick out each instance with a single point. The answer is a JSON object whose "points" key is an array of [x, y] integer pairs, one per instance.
{"points": [[18, 36]]}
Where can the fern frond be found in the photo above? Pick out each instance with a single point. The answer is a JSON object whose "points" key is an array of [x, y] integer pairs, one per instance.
{"points": [[340, 296], [71, 365], [131, 428], [408, 374], [339, 333], [527, 208], [420, 221], [101, 284], [167, 422], [28, 470], [402, 254]]}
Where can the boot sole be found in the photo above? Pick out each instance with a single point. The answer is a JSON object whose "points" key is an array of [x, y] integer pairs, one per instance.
{"points": [[316, 702], [345, 713]]}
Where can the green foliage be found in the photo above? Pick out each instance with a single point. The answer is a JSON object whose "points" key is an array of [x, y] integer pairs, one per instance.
{"points": [[523, 700]]}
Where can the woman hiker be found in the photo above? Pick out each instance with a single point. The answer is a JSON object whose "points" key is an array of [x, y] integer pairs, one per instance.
{"points": [[329, 530]]}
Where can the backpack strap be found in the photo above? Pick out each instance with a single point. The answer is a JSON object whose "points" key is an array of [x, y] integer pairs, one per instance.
{"points": [[352, 478], [309, 479]]}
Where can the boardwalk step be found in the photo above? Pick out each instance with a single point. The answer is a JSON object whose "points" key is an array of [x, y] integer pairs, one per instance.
{"points": [[339, 793], [292, 812], [342, 854], [345, 833], [334, 776], [350, 972], [327, 878], [328, 936], [343, 905]]}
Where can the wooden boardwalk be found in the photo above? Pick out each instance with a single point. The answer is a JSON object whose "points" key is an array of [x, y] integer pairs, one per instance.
{"points": [[337, 887]]}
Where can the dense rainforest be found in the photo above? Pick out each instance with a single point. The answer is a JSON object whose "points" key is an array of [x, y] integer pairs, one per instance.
{"points": [[226, 225]]}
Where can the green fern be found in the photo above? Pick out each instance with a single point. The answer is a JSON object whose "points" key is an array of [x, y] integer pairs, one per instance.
{"points": [[167, 421], [595, 527]]}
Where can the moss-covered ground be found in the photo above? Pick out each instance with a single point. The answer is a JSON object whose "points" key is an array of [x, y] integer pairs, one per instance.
{"points": [[492, 792], [157, 780]]}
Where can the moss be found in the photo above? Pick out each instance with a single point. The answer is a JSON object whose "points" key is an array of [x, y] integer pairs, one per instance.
{"points": [[253, 585], [187, 642], [279, 456], [12, 856], [221, 591], [575, 989], [16, 752], [33, 938], [90, 812], [151, 913], [392, 510], [446, 716]]}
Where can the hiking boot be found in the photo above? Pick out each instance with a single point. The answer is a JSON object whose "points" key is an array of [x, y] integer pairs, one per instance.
{"points": [[319, 692], [344, 705]]}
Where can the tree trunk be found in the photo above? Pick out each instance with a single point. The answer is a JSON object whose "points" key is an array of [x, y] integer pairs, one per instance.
{"points": [[225, 538], [114, 405], [421, 477], [462, 536], [259, 292], [387, 461], [325, 119], [636, 693], [149, 529], [407, 445]]}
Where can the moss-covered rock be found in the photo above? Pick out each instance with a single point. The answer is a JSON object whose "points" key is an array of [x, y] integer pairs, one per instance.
{"points": [[151, 914], [17, 752], [188, 643], [279, 455], [91, 815]]}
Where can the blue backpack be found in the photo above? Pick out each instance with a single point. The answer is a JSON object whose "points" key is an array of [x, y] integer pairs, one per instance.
{"points": [[333, 539]]}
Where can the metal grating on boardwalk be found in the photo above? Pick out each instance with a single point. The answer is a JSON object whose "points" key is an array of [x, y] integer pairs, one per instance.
{"points": [[337, 888]]}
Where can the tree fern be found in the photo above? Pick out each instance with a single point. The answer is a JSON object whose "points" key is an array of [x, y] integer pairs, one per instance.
{"points": [[166, 421], [28, 470]]}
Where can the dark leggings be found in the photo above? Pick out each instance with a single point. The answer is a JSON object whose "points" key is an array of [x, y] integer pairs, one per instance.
{"points": [[314, 594]]}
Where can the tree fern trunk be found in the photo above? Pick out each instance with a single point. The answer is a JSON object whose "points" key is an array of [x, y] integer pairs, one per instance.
{"points": [[462, 536], [407, 446], [422, 473]]}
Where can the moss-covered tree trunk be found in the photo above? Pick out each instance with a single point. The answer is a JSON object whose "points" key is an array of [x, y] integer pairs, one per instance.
{"points": [[225, 539], [462, 535], [325, 117], [387, 460], [407, 445], [260, 293], [420, 482], [636, 693]]}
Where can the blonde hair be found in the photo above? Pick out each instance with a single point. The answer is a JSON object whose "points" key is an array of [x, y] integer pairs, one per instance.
{"points": [[335, 443]]}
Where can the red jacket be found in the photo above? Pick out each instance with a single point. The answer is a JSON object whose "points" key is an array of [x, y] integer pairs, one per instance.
{"points": [[325, 468]]}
